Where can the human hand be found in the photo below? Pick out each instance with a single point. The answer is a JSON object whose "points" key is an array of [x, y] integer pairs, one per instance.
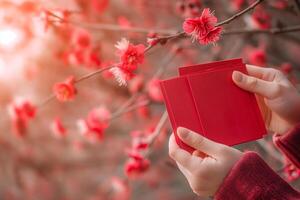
{"points": [[204, 174], [278, 99]]}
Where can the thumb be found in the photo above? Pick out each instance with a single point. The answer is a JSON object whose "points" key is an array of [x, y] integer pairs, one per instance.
{"points": [[200, 143], [252, 84]]}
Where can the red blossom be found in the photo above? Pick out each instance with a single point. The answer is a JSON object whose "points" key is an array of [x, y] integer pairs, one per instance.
{"points": [[121, 75], [136, 84], [154, 90], [257, 56], [144, 111], [261, 19], [203, 28], [136, 167], [286, 68], [130, 56], [58, 128], [237, 4], [99, 5], [95, 124], [65, 91], [280, 4], [20, 113], [188, 8], [82, 38]]}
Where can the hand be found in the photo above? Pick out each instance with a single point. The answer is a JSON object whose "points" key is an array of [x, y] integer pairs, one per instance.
{"points": [[278, 99], [204, 174]]}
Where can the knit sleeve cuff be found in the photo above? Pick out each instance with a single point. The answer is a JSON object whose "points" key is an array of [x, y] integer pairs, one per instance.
{"points": [[251, 178], [289, 144]]}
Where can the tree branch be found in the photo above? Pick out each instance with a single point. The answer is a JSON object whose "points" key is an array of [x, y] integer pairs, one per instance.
{"points": [[227, 21]]}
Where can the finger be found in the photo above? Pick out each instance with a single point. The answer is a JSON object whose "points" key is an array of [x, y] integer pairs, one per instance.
{"points": [[258, 72], [179, 155], [199, 142], [267, 74], [252, 84], [185, 172]]}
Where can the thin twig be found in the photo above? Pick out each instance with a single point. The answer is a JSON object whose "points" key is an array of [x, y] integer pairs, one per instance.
{"points": [[297, 3], [130, 108], [227, 21], [92, 74], [261, 31], [158, 128], [157, 74], [114, 27]]}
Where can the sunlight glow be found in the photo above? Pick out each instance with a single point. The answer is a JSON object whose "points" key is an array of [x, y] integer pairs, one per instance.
{"points": [[10, 38]]}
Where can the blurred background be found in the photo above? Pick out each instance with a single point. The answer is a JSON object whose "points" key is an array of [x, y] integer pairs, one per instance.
{"points": [[50, 156]]}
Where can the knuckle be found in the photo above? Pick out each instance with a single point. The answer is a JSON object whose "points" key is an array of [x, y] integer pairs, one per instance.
{"points": [[277, 91], [172, 153], [252, 82]]}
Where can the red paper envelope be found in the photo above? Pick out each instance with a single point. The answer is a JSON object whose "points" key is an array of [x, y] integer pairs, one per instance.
{"points": [[205, 100]]}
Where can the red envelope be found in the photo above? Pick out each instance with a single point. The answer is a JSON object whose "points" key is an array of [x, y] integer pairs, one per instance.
{"points": [[205, 100]]}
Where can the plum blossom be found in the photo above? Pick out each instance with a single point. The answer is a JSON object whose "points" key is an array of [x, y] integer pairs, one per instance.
{"points": [[154, 90], [58, 128], [130, 56], [95, 124], [203, 28], [21, 112], [65, 91]]}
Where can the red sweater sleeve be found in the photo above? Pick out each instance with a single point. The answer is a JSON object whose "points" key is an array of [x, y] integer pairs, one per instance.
{"points": [[251, 178], [289, 144]]}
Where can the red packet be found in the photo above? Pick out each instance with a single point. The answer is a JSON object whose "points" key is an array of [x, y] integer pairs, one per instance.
{"points": [[205, 99]]}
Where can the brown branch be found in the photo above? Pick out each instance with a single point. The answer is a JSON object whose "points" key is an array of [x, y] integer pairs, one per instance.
{"points": [[261, 31], [158, 128], [227, 21], [84, 77], [157, 74], [92, 74], [297, 3], [113, 27]]}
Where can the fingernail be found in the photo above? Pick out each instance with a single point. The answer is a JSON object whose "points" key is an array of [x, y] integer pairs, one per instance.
{"points": [[182, 132], [237, 76]]}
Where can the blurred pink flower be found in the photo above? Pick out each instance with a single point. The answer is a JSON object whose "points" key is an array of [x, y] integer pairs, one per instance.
{"points": [[21, 111], [95, 124], [286, 68], [154, 90], [58, 128], [203, 28], [261, 19], [135, 167], [65, 91], [130, 55], [257, 56]]}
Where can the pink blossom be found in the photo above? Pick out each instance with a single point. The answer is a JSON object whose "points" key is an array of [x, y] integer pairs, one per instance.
{"points": [[261, 19], [136, 84], [286, 68], [154, 90], [237, 4], [135, 167], [203, 28], [95, 124], [58, 128], [65, 91], [257, 56], [21, 111], [130, 55]]}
